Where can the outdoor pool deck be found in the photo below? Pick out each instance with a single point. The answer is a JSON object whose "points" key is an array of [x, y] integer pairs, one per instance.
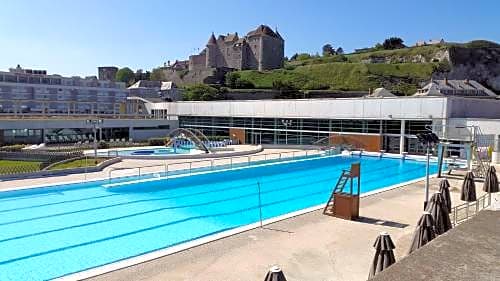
{"points": [[127, 168], [307, 247]]}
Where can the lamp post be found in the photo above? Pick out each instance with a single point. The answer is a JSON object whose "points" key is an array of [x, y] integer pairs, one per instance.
{"points": [[286, 123], [95, 125], [429, 140]]}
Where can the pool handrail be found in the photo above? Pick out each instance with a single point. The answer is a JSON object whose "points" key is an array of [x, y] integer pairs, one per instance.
{"points": [[166, 165]]}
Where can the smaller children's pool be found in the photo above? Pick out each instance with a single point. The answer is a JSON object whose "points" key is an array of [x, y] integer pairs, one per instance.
{"points": [[147, 151]]}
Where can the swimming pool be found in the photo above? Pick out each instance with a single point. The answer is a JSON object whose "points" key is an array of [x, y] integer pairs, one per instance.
{"points": [[149, 151], [51, 232]]}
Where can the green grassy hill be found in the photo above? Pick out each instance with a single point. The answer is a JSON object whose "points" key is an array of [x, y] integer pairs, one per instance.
{"points": [[402, 78], [402, 71]]}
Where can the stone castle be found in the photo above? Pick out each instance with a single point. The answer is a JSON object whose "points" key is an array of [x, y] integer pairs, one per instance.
{"points": [[261, 49]]}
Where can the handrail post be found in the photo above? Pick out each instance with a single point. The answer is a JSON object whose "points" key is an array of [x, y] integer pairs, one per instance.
{"points": [[231, 163], [455, 216], [211, 164], [190, 167], [467, 211], [139, 172]]}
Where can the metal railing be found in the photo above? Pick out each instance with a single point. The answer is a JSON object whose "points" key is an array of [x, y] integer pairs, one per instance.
{"points": [[77, 115], [463, 212], [230, 163]]}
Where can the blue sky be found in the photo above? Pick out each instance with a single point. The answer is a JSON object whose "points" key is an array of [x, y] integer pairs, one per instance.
{"points": [[73, 37]]}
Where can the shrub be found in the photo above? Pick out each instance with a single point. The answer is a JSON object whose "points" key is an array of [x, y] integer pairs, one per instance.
{"points": [[314, 85], [443, 66], [158, 141], [233, 80], [244, 84], [102, 145], [201, 92], [303, 56], [230, 79]]}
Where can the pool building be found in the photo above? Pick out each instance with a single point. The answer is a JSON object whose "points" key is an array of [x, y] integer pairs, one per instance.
{"points": [[373, 124]]}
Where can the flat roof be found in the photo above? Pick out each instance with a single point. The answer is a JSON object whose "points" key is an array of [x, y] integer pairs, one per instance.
{"points": [[425, 108]]}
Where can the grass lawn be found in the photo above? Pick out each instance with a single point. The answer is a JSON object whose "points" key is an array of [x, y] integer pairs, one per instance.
{"points": [[79, 163], [16, 166]]}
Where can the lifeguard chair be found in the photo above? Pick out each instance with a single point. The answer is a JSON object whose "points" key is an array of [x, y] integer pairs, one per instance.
{"points": [[345, 204]]}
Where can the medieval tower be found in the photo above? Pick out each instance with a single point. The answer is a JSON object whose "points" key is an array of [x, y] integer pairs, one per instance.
{"points": [[261, 49]]}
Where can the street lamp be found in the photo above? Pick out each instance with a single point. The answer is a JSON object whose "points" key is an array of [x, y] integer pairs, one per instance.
{"points": [[95, 125], [429, 140], [286, 123]]}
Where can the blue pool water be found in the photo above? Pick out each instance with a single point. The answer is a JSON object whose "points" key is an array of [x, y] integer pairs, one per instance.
{"points": [[154, 151], [50, 232]]}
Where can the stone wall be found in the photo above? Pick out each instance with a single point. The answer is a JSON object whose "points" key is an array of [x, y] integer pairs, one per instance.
{"points": [[272, 53], [202, 75], [197, 62]]}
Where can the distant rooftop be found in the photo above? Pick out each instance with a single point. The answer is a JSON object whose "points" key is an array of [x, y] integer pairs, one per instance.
{"points": [[463, 88]]}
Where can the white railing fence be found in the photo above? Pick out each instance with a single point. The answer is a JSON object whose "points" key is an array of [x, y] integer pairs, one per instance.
{"points": [[166, 169]]}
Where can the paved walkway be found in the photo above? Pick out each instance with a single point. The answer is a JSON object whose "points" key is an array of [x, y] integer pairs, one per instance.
{"points": [[308, 247], [151, 166]]}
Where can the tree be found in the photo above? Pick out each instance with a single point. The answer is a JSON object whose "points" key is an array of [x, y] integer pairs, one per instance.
{"points": [[328, 50], [303, 56], [339, 51], [378, 47], [201, 92], [125, 75], [157, 75], [393, 43], [294, 57], [231, 78], [234, 81]]}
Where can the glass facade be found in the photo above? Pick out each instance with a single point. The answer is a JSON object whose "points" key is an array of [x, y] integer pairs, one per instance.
{"points": [[308, 131]]}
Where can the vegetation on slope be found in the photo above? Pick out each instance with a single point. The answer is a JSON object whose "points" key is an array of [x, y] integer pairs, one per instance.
{"points": [[404, 77]]}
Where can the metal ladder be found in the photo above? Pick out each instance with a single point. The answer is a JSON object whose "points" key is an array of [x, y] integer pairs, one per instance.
{"points": [[481, 166], [339, 187]]}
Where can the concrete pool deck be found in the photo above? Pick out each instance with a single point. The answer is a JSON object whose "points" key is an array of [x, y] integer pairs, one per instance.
{"points": [[127, 167], [307, 247]]}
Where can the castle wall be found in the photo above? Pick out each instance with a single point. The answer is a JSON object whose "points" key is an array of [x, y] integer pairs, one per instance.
{"points": [[197, 62], [252, 53], [272, 53]]}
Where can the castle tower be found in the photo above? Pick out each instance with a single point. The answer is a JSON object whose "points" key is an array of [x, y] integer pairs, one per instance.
{"points": [[211, 53], [267, 48], [107, 73]]}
